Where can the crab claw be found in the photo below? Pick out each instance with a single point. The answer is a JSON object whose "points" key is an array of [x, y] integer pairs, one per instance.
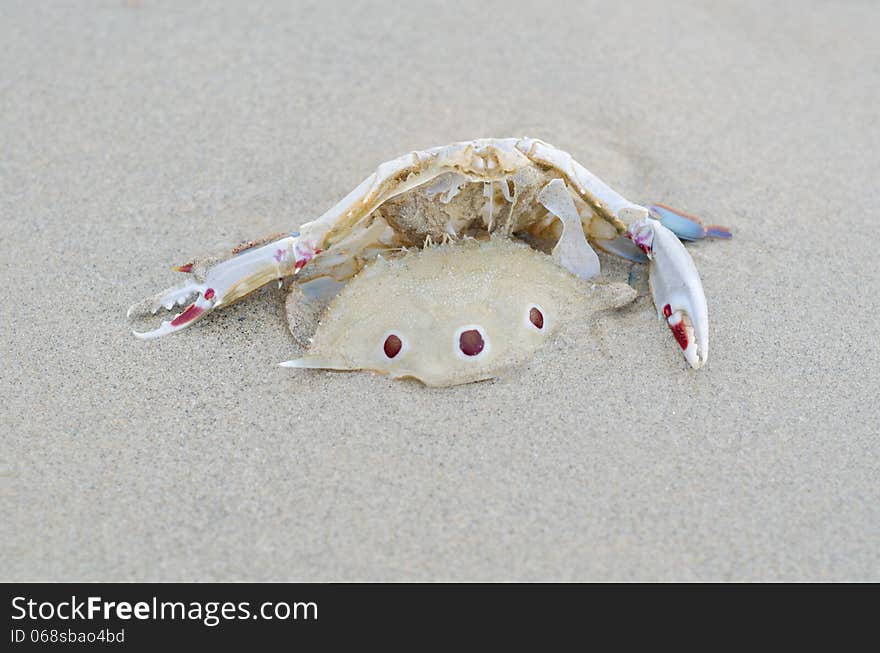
{"points": [[225, 283], [191, 314], [675, 287]]}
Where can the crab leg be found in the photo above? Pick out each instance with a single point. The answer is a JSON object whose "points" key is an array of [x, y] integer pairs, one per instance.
{"points": [[621, 246], [227, 282], [686, 226], [676, 288]]}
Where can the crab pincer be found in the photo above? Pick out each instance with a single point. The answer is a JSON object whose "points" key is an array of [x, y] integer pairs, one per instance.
{"points": [[224, 283], [675, 287]]}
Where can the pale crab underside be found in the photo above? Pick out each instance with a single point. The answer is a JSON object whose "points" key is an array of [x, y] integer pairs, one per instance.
{"points": [[450, 313], [506, 188]]}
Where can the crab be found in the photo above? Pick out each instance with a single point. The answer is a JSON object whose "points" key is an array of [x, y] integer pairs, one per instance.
{"points": [[456, 262]]}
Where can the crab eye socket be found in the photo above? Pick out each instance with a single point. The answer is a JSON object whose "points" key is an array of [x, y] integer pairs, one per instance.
{"points": [[392, 346], [536, 317], [471, 342]]}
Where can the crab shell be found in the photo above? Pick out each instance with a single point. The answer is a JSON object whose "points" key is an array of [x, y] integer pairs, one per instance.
{"points": [[487, 161], [449, 314], [542, 191]]}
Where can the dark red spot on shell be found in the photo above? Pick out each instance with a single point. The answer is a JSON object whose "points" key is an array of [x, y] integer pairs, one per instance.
{"points": [[392, 346], [191, 313], [536, 317], [186, 267], [209, 293], [471, 342], [680, 334], [678, 330], [300, 263]]}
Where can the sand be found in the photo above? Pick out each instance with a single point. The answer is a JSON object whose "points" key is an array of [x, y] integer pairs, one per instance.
{"points": [[136, 134]]}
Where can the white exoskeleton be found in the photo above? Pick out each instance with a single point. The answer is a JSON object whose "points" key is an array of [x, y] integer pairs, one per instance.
{"points": [[483, 189]]}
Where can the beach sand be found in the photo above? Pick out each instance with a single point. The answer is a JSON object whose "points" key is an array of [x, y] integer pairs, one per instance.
{"points": [[135, 135]]}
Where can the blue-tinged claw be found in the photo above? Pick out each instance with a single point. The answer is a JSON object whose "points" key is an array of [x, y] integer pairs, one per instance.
{"points": [[623, 247], [686, 226]]}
